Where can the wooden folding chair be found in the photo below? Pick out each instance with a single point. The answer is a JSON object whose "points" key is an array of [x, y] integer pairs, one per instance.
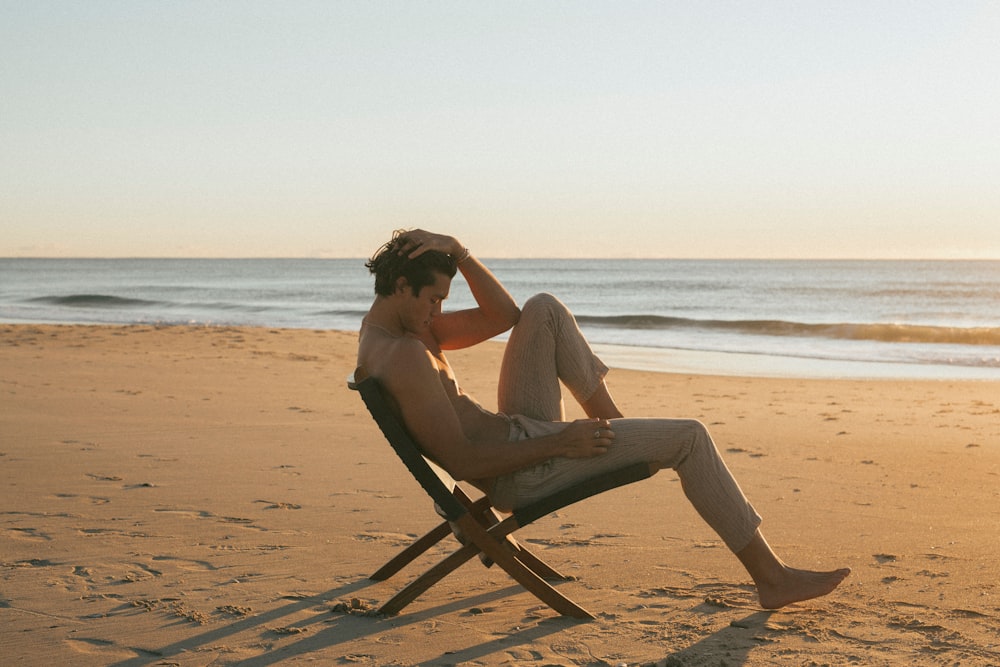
{"points": [[480, 528]]}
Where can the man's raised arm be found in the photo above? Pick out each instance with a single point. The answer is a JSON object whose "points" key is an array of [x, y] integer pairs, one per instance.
{"points": [[496, 310]]}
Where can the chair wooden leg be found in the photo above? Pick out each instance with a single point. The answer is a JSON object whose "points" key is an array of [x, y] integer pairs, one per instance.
{"points": [[482, 532], [480, 540], [536, 564], [506, 559], [466, 500], [407, 555], [428, 579], [539, 566]]}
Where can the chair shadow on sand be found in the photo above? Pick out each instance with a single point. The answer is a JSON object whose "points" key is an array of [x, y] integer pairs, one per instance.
{"points": [[321, 632], [344, 628]]}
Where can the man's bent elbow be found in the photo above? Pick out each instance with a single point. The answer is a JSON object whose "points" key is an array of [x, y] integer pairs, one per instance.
{"points": [[513, 316], [504, 320], [466, 469]]}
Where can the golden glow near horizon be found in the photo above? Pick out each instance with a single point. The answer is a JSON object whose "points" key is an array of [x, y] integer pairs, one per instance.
{"points": [[557, 129]]}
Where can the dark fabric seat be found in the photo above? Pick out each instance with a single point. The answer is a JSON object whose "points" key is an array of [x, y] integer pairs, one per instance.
{"points": [[482, 530]]}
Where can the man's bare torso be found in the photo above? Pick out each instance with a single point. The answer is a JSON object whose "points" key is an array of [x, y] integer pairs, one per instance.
{"points": [[375, 347]]}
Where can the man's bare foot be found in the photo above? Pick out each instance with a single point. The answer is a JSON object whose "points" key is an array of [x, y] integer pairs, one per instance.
{"points": [[792, 585], [779, 585]]}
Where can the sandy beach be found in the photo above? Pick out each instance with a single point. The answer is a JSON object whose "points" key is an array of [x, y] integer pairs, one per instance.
{"points": [[214, 496]]}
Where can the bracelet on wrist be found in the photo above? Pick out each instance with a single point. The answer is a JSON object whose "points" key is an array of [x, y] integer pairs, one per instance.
{"points": [[462, 256]]}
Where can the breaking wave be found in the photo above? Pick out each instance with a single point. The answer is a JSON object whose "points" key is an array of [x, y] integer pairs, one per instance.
{"points": [[882, 332]]}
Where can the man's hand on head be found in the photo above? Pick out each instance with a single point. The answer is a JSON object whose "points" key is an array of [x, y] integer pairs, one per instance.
{"points": [[418, 241]]}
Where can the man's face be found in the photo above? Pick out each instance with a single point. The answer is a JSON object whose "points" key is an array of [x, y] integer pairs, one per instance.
{"points": [[420, 309]]}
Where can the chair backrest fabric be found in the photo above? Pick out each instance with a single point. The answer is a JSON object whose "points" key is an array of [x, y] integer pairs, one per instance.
{"points": [[435, 481]]}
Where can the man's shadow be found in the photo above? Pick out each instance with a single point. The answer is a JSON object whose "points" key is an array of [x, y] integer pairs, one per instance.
{"points": [[344, 628], [260, 621], [730, 645], [350, 627]]}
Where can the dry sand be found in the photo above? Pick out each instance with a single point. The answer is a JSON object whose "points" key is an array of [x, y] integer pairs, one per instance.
{"points": [[196, 496]]}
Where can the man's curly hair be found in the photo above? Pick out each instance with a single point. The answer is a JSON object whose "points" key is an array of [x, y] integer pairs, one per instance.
{"points": [[387, 265]]}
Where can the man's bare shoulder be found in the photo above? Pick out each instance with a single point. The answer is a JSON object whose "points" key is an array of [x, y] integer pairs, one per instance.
{"points": [[398, 361]]}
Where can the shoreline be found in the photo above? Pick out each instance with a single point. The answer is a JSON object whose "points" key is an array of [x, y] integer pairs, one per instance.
{"points": [[736, 364], [678, 361], [197, 494]]}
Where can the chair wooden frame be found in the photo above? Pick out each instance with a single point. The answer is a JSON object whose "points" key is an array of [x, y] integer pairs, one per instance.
{"points": [[481, 529]]}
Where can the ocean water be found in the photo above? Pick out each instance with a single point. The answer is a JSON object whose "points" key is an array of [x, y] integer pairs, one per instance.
{"points": [[902, 319]]}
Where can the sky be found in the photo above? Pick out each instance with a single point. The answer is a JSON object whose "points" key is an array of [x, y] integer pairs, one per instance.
{"points": [[784, 129]]}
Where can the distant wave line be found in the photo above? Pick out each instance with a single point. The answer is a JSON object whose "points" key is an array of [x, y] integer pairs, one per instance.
{"points": [[882, 332], [93, 301], [109, 302]]}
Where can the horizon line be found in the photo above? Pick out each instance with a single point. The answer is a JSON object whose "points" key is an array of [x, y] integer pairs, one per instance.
{"points": [[506, 258]]}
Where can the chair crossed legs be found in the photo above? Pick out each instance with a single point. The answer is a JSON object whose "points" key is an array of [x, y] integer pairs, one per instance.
{"points": [[480, 528]]}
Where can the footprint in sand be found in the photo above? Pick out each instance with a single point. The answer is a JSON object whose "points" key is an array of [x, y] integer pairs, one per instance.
{"points": [[205, 514], [29, 562], [108, 650], [28, 534], [395, 539], [750, 453], [189, 564], [279, 505], [111, 532], [194, 514], [105, 478], [93, 500]]}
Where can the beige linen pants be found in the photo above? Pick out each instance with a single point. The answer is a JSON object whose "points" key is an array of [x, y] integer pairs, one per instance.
{"points": [[546, 348]]}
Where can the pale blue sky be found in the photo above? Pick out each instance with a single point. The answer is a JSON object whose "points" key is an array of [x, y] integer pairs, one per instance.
{"points": [[599, 129]]}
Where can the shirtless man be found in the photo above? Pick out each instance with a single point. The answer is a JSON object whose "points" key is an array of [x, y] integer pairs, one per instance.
{"points": [[528, 450]]}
